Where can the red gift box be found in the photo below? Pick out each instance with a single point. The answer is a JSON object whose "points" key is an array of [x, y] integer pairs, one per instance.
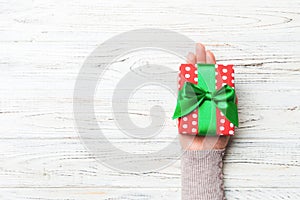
{"points": [[224, 74]]}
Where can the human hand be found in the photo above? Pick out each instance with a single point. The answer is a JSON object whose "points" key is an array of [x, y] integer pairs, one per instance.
{"points": [[190, 142]]}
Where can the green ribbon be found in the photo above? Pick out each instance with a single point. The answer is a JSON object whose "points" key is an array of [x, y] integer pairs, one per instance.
{"points": [[201, 96]]}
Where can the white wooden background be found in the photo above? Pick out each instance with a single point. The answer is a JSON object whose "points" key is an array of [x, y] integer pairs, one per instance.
{"points": [[43, 45]]}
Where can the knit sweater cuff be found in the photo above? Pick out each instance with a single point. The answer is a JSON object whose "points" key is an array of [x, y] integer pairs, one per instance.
{"points": [[202, 177]]}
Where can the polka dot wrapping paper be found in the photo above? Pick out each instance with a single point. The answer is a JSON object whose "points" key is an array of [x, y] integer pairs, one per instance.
{"points": [[224, 75]]}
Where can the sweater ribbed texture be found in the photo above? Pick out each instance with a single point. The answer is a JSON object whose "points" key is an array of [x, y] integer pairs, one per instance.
{"points": [[202, 176]]}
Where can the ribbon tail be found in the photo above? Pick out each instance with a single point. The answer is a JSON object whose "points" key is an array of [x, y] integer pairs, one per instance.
{"points": [[230, 112]]}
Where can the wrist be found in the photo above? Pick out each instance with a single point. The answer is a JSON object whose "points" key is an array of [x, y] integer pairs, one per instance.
{"points": [[189, 142]]}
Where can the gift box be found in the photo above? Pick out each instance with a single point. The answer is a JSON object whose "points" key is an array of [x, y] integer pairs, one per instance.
{"points": [[207, 103]]}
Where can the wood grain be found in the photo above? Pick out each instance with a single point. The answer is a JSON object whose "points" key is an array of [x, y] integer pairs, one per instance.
{"points": [[43, 45]]}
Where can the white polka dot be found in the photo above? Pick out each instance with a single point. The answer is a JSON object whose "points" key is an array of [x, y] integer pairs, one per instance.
{"points": [[216, 73], [196, 79], [222, 121], [187, 76], [231, 125], [222, 128], [216, 65], [196, 71], [194, 115], [194, 122], [224, 77], [232, 74], [221, 114], [178, 85], [187, 68], [184, 132], [224, 70], [221, 134], [185, 119], [231, 132], [194, 130], [195, 110], [184, 126], [223, 84], [232, 81]]}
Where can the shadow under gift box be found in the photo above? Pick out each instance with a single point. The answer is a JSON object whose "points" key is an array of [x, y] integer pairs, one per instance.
{"points": [[189, 124]]}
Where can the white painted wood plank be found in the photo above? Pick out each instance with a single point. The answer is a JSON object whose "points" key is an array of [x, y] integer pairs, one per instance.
{"points": [[65, 163], [43, 45], [39, 102], [90, 193], [136, 193]]}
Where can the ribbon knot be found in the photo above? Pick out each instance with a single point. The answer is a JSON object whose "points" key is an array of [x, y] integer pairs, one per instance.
{"points": [[192, 96], [208, 95]]}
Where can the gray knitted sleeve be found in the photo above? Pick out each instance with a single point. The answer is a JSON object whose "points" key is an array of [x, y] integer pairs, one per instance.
{"points": [[202, 176]]}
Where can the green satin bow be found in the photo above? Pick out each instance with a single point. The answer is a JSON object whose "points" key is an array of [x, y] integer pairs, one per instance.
{"points": [[192, 96]]}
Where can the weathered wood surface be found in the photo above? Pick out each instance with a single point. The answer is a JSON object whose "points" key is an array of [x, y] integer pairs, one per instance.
{"points": [[43, 44]]}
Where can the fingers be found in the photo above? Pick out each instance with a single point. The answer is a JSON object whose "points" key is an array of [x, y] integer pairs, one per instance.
{"points": [[202, 56], [210, 57], [200, 53], [191, 58]]}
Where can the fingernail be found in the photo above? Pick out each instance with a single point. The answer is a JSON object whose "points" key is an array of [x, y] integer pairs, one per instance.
{"points": [[208, 58], [190, 57], [200, 46]]}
